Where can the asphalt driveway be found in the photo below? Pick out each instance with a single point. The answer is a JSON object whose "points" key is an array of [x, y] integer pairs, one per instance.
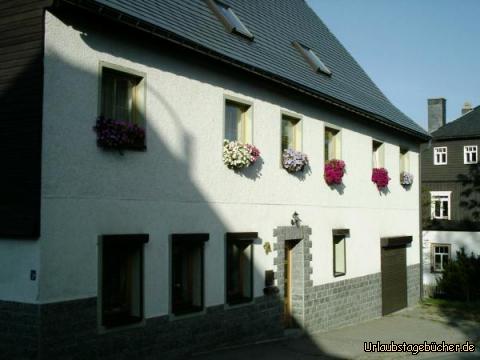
{"points": [[413, 326]]}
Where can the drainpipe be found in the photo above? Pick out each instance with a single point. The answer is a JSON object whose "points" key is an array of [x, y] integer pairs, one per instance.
{"points": [[427, 146]]}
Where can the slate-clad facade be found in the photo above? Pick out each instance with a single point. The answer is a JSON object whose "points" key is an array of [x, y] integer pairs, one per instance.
{"points": [[161, 250], [457, 179], [21, 86]]}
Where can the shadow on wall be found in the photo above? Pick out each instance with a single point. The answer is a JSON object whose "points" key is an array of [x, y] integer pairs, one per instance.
{"points": [[68, 328]]}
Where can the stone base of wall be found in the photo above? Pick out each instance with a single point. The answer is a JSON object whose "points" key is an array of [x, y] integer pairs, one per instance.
{"points": [[343, 303], [413, 284], [68, 330], [19, 329], [352, 301]]}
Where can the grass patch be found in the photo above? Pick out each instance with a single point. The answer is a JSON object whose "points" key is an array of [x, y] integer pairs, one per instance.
{"points": [[460, 309]]}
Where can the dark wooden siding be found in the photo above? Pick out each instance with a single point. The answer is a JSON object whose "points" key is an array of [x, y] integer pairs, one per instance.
{"points": [[455, 165], [465, 206], [463, 180], [21, 85]]}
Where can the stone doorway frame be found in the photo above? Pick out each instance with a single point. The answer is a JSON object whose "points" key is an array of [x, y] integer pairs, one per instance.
{"points": [[301, 284]]}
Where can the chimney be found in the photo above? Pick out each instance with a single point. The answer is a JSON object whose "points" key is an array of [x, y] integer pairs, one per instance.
{"points": [[437, 116], [467, 107]]}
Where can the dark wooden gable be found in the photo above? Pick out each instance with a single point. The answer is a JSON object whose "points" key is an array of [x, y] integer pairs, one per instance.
{"points": [[21, 85]]}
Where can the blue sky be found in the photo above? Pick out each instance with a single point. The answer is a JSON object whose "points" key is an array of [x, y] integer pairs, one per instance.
{"points": [[412, 49]]}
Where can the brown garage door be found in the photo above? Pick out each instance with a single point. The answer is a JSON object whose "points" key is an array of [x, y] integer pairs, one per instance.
{"points": [[394, 279]]}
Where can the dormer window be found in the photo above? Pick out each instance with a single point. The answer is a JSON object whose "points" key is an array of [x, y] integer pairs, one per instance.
{"points": [[229, 19], [312, 58]]}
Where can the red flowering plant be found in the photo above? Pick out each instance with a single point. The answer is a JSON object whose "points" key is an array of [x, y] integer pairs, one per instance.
{"points": [[380, 177], [119, 135], [334, 171]]}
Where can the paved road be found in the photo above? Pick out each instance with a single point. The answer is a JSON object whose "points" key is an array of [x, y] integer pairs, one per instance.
{"points": [[414, 325]]}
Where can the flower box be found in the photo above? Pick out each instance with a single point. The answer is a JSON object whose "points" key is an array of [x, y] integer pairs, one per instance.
{"points": [[406, 178], [238, 156], [119, 135], [380, 177], [334, 171], [294, 161]]}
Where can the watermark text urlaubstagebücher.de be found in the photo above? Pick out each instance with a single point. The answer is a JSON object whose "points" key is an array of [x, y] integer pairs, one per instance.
{"points": [[417, 348]]}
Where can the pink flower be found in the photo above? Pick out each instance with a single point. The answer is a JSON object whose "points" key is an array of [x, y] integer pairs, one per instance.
{"points": [[334, 171], [254, 152], [380, 177]]}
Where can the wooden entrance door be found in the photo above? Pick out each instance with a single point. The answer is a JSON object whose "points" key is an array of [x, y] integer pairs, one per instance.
{"points": [[394, 279], [287, 300]]}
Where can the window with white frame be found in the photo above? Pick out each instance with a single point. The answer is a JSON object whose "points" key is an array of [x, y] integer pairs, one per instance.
{"points": [[440, 257], [440, 204], [470, 154], [122, 96], [238, 122], [332, 144], [378, 154], [404, 160], [440, 155], [291, 133]]}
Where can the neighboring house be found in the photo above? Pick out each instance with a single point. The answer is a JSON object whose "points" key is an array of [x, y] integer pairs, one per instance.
{"points": [[450, 188], [157, 247]]}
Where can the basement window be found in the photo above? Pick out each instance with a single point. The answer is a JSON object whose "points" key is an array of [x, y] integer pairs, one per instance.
{"points": [[339, 255], [122, 279], [312, 58], [187, 273], [229, 19], [240, 267]]}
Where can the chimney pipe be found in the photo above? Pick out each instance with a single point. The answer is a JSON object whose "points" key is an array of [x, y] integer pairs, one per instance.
{"points": [[467, 107], [437, 116]]}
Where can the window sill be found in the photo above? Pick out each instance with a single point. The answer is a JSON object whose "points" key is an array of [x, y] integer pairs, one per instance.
{"points": [[235, 305], [139, 147], [102, 329], [338, 274], [187, 315]]}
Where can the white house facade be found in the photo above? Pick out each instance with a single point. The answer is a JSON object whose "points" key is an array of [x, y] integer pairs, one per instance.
{"points": [[166, 250]]}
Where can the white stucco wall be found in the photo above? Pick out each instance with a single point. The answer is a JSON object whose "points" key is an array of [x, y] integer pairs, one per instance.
{"points": [[18, 257], [470, 241], [180, 184]]}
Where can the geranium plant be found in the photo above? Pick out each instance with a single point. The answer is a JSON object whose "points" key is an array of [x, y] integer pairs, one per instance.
{"points": [[294, 161], [334, 171], [380, 177], [119, 135], [406, 178], [237, 155]]}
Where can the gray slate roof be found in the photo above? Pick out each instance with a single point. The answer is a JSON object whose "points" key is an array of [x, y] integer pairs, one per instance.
{"points": [[466, 126], [274, 24]]}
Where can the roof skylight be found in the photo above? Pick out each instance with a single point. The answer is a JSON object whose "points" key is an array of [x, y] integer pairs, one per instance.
{"points": [[312, 58], [229, 19]]}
